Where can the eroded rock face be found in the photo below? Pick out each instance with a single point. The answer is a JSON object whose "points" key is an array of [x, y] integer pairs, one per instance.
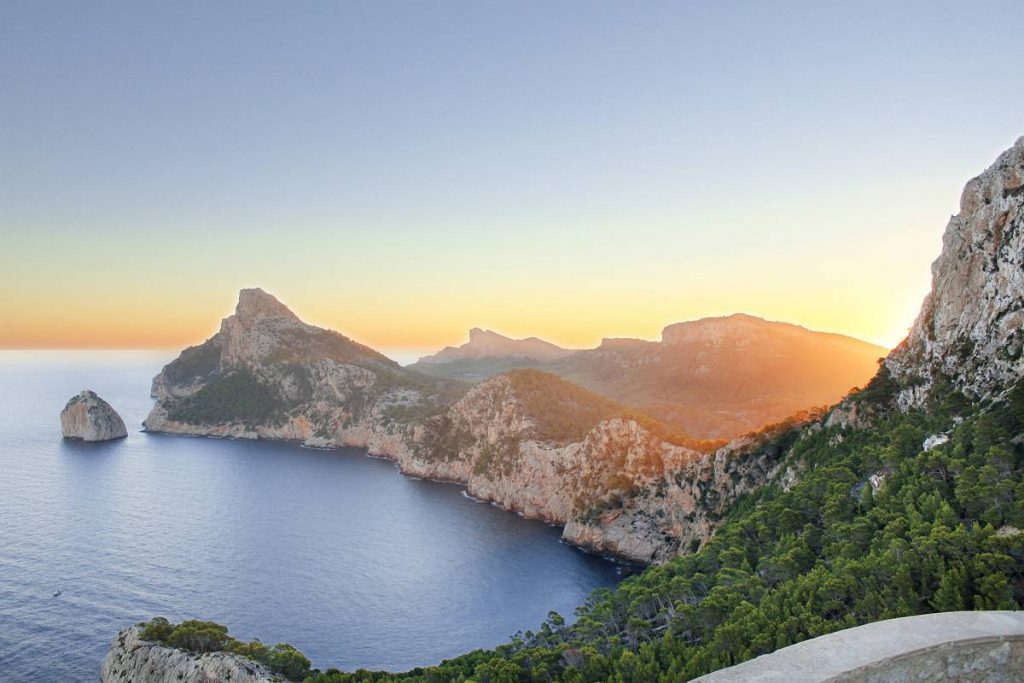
{"points": [[969, 330], [132, 659], [89, 418], [674, 502]]}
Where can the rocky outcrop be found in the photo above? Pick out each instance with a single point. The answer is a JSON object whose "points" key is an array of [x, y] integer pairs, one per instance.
{"points": [[969, 331], [89, 418], [132, 659]]}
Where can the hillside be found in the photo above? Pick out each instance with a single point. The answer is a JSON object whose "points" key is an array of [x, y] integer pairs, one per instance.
{"points": [[713, 378]]}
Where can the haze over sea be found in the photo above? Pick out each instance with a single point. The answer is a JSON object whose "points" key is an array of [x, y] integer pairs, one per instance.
{"points": [[332, 551]]}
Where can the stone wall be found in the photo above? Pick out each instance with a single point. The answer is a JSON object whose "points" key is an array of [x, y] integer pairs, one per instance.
{"points": [[981, 647]]}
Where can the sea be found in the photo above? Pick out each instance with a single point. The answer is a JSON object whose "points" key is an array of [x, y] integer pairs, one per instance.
{"points": [[332, 551]]}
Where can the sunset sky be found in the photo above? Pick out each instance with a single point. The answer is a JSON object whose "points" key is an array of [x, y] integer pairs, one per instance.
{"points": [[402, 172]]}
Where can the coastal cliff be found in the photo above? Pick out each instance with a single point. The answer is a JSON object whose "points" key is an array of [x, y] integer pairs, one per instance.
{"points": [[526, 440]]}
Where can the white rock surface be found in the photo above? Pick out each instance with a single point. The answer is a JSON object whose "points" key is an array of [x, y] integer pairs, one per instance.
{"points": [[132, 659], [969, 329], [89, 418], [934, 440]]}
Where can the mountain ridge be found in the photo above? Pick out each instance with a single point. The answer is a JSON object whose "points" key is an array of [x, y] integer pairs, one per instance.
{"points": [[706, 376], [488, 344]]}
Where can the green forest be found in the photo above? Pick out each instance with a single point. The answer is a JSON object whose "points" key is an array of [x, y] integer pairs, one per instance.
{"points": [[874, 528]]}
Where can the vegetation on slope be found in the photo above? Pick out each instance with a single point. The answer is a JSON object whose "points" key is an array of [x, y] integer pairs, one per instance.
{"points": [[238, 396], [940, 533]]}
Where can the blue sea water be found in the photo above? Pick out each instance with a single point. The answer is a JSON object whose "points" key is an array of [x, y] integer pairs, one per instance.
{"points": [[332, 551]]}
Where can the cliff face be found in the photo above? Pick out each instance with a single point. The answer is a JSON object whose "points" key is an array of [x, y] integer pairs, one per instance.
{"points": [[675, 508], [526, 440], [132, 659], [969, 329]]}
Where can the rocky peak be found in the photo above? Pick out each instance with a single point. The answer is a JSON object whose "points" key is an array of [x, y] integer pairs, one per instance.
{"points": [[969, 330], [254, 305]]}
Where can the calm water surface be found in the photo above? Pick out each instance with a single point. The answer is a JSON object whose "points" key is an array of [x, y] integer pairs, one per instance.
{"points": [[332, 551]]}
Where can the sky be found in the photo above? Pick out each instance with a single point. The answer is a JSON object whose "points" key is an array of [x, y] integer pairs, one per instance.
{"points": [[403, 171]]}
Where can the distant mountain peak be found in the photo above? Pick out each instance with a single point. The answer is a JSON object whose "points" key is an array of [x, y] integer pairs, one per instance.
{"points": [[478, 334], [255, 304], [489, 344]]}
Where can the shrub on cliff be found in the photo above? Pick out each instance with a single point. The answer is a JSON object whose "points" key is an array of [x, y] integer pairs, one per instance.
{"points": [[202, 637]]}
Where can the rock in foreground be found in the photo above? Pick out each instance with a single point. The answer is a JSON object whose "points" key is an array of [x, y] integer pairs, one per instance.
{"points": [[89, 418], [132, 659]]}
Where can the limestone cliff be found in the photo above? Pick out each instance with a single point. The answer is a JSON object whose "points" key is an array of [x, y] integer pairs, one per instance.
{"points": [[89, 418], [969, 331], [132, 659]]}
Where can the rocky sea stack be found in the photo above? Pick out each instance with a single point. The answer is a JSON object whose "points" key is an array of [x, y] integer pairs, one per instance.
{"points": [[89, 418]]}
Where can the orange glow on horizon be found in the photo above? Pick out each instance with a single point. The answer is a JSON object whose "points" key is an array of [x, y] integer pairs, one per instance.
{"points": [[177, 324]]}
